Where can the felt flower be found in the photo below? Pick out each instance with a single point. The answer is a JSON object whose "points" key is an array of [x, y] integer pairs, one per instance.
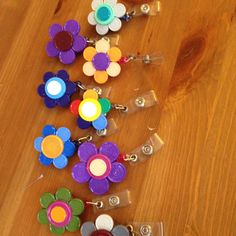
{"points": [[105, 15], [54, 146], [104, 225], [60, 211], [56, 89], [65, 41], [102, 61], [99, 167], [91, 111]]}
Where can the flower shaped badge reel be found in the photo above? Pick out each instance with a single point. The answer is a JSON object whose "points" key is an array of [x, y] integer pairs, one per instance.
{"points": [[108, 14]]}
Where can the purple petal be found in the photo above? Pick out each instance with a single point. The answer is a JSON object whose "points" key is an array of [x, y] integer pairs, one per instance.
{"points": [[70, 88], [110, 150], [80, 174], [64, 101], [79, 43], [72, 26], [118, 173], [41, 90], [51, 50], [67, 57], [99, 187], [54, 29], [87, 150], [50, 103], [63, 75], [47, 76]]}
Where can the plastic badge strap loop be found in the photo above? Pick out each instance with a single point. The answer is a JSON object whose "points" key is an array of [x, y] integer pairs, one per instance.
{"points": [[111, 129], [111, 201], [114, 40]]}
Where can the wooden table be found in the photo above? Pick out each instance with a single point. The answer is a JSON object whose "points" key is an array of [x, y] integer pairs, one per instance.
{"points": [[190, 184]]}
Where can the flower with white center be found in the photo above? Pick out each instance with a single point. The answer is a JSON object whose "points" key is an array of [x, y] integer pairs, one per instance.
{"points": [[106, 15]]}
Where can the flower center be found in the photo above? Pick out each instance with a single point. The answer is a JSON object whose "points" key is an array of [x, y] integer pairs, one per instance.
{"points": [[55, 88], [52, 146], [101, 61], [63, 40], [58, 214], [101, 232], [104, 14]]}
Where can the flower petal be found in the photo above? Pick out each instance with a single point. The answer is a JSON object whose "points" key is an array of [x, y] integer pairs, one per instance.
{"points": [[46, 200], [71, 88], [67, 57], [104, 222], [89, 53], [90, 93], [100, 123], [63, 194], [54, 29], [63, 75], [110, 2], [102, 29], [74, 224], [110, 150], [87, 150], [87, 228], [69, 149], [83, 124], [48, 130], [57, 231], [50, 103], [99, 187], [101, 77], [77, 206], [114, 69], [72, 26], [105, 104], [42, 217], [118, 173], [63, 133], [74, 106], [47, 76], [88, 69], [80, 174], [96, 3], [37, 143], [44, 160], [60, 162], [102, 45], [115, 25], [119, 10], [91, 18], [120, 230], [51, 50], [64, 101], [41, 90], [79, 43], [114, 54]]}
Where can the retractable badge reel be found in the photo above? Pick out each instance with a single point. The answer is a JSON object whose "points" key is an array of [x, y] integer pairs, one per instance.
{"points": [[109, 14], [104, 225]]}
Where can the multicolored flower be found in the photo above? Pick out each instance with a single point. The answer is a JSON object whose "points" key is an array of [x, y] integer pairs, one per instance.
{"points": [[57, 89], [55, 146], [99, 167], [60, 211], [66, 41], [104, 226], [92, 110], [102, 61], [105, 15]]}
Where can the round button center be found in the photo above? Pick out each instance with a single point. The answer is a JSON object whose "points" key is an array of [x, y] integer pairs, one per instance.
{"points": [[98, 167], [58, 214], [101, 61], [55, 88], [104, 14], [52, 146], [63, 40]]}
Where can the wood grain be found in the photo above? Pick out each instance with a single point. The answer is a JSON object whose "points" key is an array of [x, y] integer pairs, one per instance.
{"points": [[190, 184]]}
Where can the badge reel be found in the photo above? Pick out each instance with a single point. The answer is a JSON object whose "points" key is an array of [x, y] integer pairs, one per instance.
{"points": [[108, 15]]}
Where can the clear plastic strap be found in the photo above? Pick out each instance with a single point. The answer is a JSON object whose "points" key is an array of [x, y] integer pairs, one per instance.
{"points": [[151, 8], [146, 228], [114, 40], [146, 150], [111, 201]]}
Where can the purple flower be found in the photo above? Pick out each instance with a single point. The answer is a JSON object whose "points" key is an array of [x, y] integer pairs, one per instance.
{"points": [[99, 167], [66, 41], [57, 89]]}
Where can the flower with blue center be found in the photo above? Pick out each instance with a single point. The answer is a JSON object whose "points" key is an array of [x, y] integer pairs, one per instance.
{"points": [[55, 146]]}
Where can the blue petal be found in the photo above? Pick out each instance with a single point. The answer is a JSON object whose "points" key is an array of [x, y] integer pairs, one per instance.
{"points": [[48, 130], [69, 149], [44, 160], [63, 133], [100, 123], [37, 143], [60, 162]]}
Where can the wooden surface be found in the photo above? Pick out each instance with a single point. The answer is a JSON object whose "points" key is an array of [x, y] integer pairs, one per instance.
{"points": [[191, 183]]}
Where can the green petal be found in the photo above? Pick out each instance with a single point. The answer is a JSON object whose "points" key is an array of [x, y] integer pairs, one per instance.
{"points": [[46, 200], [63, 194], [74, 224], [77, 206], [57, 231], [42, 216], [105, 104]]}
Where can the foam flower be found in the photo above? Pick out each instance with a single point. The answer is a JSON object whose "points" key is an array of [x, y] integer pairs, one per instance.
{"points": [[65, 41], [99, 167], [54, 146], [102, 61], [91, 111], [60, 211]]}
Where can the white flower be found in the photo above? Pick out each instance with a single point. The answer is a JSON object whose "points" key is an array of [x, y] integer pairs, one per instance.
{"points": [[106, 15]]}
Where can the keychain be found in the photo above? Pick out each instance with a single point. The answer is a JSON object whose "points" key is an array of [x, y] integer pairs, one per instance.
{"points": [[105, 226], [108, 14], [61, 211], [104, 61], [66, 41], [102, 166]]}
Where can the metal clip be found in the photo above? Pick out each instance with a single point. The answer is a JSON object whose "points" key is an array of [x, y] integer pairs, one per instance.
{"points": [[101, 133], [80, 85], [146, 230], [87, 138], [147, 149], [114, 201], [131, 157], [120, 107], [98, 204], [140, 102]]}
